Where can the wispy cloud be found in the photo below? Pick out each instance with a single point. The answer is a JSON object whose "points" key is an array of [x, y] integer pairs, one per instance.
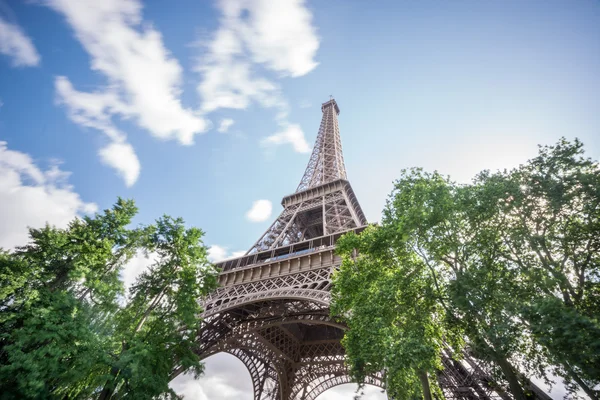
{"points": [[219, 253], [260, 211], [122, 157], [277, 37], [143, 79], [225, 124], [291, 134], [15, 44], [31, 196]]}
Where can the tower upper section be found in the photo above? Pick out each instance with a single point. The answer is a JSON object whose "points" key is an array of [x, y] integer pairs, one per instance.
{"points": [[324, 203], [326, 162]]}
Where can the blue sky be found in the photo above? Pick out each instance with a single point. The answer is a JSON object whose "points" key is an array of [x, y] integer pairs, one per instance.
{"points": [[123, 98]]}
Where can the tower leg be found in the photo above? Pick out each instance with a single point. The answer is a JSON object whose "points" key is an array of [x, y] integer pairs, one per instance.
{"points": [[265, 380]]}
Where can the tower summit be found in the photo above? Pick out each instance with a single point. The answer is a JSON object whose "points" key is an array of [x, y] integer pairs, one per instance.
{"points": [[272, 307]]}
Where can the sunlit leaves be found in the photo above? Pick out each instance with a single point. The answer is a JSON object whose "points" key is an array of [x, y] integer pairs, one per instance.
{"points": [[510, 262]]}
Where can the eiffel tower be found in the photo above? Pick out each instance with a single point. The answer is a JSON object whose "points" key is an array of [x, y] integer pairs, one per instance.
{"points": [[272, 307]]}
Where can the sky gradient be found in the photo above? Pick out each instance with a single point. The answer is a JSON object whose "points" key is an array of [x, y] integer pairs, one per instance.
{"points": [[208, 110]]}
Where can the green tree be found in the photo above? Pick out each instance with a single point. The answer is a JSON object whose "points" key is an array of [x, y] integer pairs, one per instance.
{"points": [[511, 261], [550, 211], [385, 295], [67, 328], [430, 221]]}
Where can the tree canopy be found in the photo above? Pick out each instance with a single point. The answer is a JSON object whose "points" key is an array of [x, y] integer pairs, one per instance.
{"points": [[68, 329], [510, 263]]}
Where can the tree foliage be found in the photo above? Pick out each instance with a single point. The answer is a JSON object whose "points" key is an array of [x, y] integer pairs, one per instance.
{"points": [[69, 330], [509, 262], [392, 314]]}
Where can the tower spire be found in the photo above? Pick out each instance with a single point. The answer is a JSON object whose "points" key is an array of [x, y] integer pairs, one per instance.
{"points": [[326, 162]]}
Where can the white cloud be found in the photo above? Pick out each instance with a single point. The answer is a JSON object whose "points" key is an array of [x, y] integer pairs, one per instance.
{"points": [[226, 378], [276, 36], [31, 197], [260, 211], [225, 124], [15, 44], [229, 84], [279, 35], [122, 157], [219, 253], [139, 263], [92, 110], [291, 134], [216, 253], [144, 80]]}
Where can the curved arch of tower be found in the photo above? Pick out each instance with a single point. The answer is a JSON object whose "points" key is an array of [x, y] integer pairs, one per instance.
{"points": [[272, 307]]}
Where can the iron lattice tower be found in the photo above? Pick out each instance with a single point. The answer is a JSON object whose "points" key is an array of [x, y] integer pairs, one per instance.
{"points": [[272, 307]]}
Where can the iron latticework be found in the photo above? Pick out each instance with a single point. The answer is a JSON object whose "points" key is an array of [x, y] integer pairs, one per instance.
{"points": [[324, 202], [272, 307], [326, 162]]}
